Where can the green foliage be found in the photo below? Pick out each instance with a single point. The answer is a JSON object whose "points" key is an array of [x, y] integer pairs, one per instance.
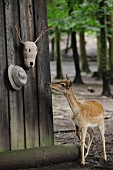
{"points": [[69, 15], [57, 12], [83, 17]]}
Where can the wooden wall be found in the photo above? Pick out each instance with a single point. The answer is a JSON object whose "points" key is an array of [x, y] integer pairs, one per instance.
{"points": [[26, 115]]}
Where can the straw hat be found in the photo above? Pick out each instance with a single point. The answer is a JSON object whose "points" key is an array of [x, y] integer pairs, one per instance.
{"points": [[17, 76]]}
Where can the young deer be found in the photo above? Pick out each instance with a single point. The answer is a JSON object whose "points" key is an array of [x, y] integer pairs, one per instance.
{"points": [[86, 115]]}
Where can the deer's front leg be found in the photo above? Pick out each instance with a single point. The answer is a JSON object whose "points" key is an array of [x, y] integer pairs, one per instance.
{"points": [[83, 136], [78, 133]]}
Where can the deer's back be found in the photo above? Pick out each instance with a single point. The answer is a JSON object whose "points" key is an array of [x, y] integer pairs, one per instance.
{"points": [[91, 108]]}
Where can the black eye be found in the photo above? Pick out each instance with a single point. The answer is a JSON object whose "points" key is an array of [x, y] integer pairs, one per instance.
{"points": [[29, 50], [62, 85]]}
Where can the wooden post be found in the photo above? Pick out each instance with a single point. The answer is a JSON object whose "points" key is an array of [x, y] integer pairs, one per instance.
{"points": [[30, 89], [15, 99], [4, 117], [43, 73]]}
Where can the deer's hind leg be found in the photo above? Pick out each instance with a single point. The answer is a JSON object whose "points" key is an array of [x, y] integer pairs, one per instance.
{"points": [[91, 134], [101, 128], [83, 136]]}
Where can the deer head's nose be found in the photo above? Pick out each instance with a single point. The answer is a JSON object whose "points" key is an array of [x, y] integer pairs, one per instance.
{"points": [[31, 64]]}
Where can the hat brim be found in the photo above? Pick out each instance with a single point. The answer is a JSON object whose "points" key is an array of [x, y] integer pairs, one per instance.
{"points": [[11, 79]]}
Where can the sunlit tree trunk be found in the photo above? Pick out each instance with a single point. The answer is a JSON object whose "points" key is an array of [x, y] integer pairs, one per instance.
{"points": [[104, 51], [85, 66], [78, 79], [58, 55]]}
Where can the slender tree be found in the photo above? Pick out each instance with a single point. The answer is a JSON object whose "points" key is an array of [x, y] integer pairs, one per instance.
{"points": [[67, 43], [104, 51], [85, 66], [110, 39], [78, 78], [53, 49], [58, 55], [99, 61]]}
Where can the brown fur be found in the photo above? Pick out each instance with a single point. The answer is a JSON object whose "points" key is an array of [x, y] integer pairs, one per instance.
{"points": [[86, 115]]}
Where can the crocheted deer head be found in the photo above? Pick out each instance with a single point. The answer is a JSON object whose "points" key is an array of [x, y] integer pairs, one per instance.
{"points": [[30, 49]]}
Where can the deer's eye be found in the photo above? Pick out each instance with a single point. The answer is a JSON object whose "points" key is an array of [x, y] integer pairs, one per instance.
{"points": [[62, 85]]}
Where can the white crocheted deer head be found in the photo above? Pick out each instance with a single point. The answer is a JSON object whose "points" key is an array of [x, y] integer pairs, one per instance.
{"points": [[30, 49]]}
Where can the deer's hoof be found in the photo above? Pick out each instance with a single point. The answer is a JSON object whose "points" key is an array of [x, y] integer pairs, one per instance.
{"points": [[82, 163], [105, 159]]}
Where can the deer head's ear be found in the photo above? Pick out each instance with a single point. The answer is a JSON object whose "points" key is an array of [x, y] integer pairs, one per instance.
{"points": [[22, 44], [70, 84], [67, 77]]}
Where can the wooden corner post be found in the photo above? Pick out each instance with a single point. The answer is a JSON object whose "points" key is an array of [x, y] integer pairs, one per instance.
{"points": [[43, 72]]}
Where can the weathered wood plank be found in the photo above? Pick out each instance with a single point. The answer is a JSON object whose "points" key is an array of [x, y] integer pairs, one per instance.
{"points": [[4, 117], [30, 89], [43, 72], [15, 97], [22, 122]]}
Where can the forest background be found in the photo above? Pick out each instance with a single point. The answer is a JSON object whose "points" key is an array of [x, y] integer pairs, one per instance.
{"points": [[76, 19]]}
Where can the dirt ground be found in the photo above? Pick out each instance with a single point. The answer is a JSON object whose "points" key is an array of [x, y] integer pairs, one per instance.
{"points": [[62, 121]]}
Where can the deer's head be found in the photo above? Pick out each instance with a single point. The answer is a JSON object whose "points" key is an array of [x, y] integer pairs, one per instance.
{"points": [[29, 53], [62, 86], [30, 49]]}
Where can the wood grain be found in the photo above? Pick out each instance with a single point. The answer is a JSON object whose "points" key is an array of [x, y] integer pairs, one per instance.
{"points": [[4, 117], [15, 97], [43, 75]]}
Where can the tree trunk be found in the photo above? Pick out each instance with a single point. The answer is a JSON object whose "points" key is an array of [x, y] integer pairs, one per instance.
{"points": [[104, 52], [59, 56], [110, 39], [67, 43], [78, 79], [53, 49], [85, 66], [99, 57]]}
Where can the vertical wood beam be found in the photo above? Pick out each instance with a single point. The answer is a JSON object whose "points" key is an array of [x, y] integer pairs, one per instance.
{"points": [[4, 118], [30, 89], [15, 97], [43, 73]]}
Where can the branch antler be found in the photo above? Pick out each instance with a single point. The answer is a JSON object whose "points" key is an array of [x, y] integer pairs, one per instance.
{"points": [[42, 33]]}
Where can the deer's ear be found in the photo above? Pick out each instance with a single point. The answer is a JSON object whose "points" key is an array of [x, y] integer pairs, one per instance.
{"points": [[67, 77], [70, 84]]}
